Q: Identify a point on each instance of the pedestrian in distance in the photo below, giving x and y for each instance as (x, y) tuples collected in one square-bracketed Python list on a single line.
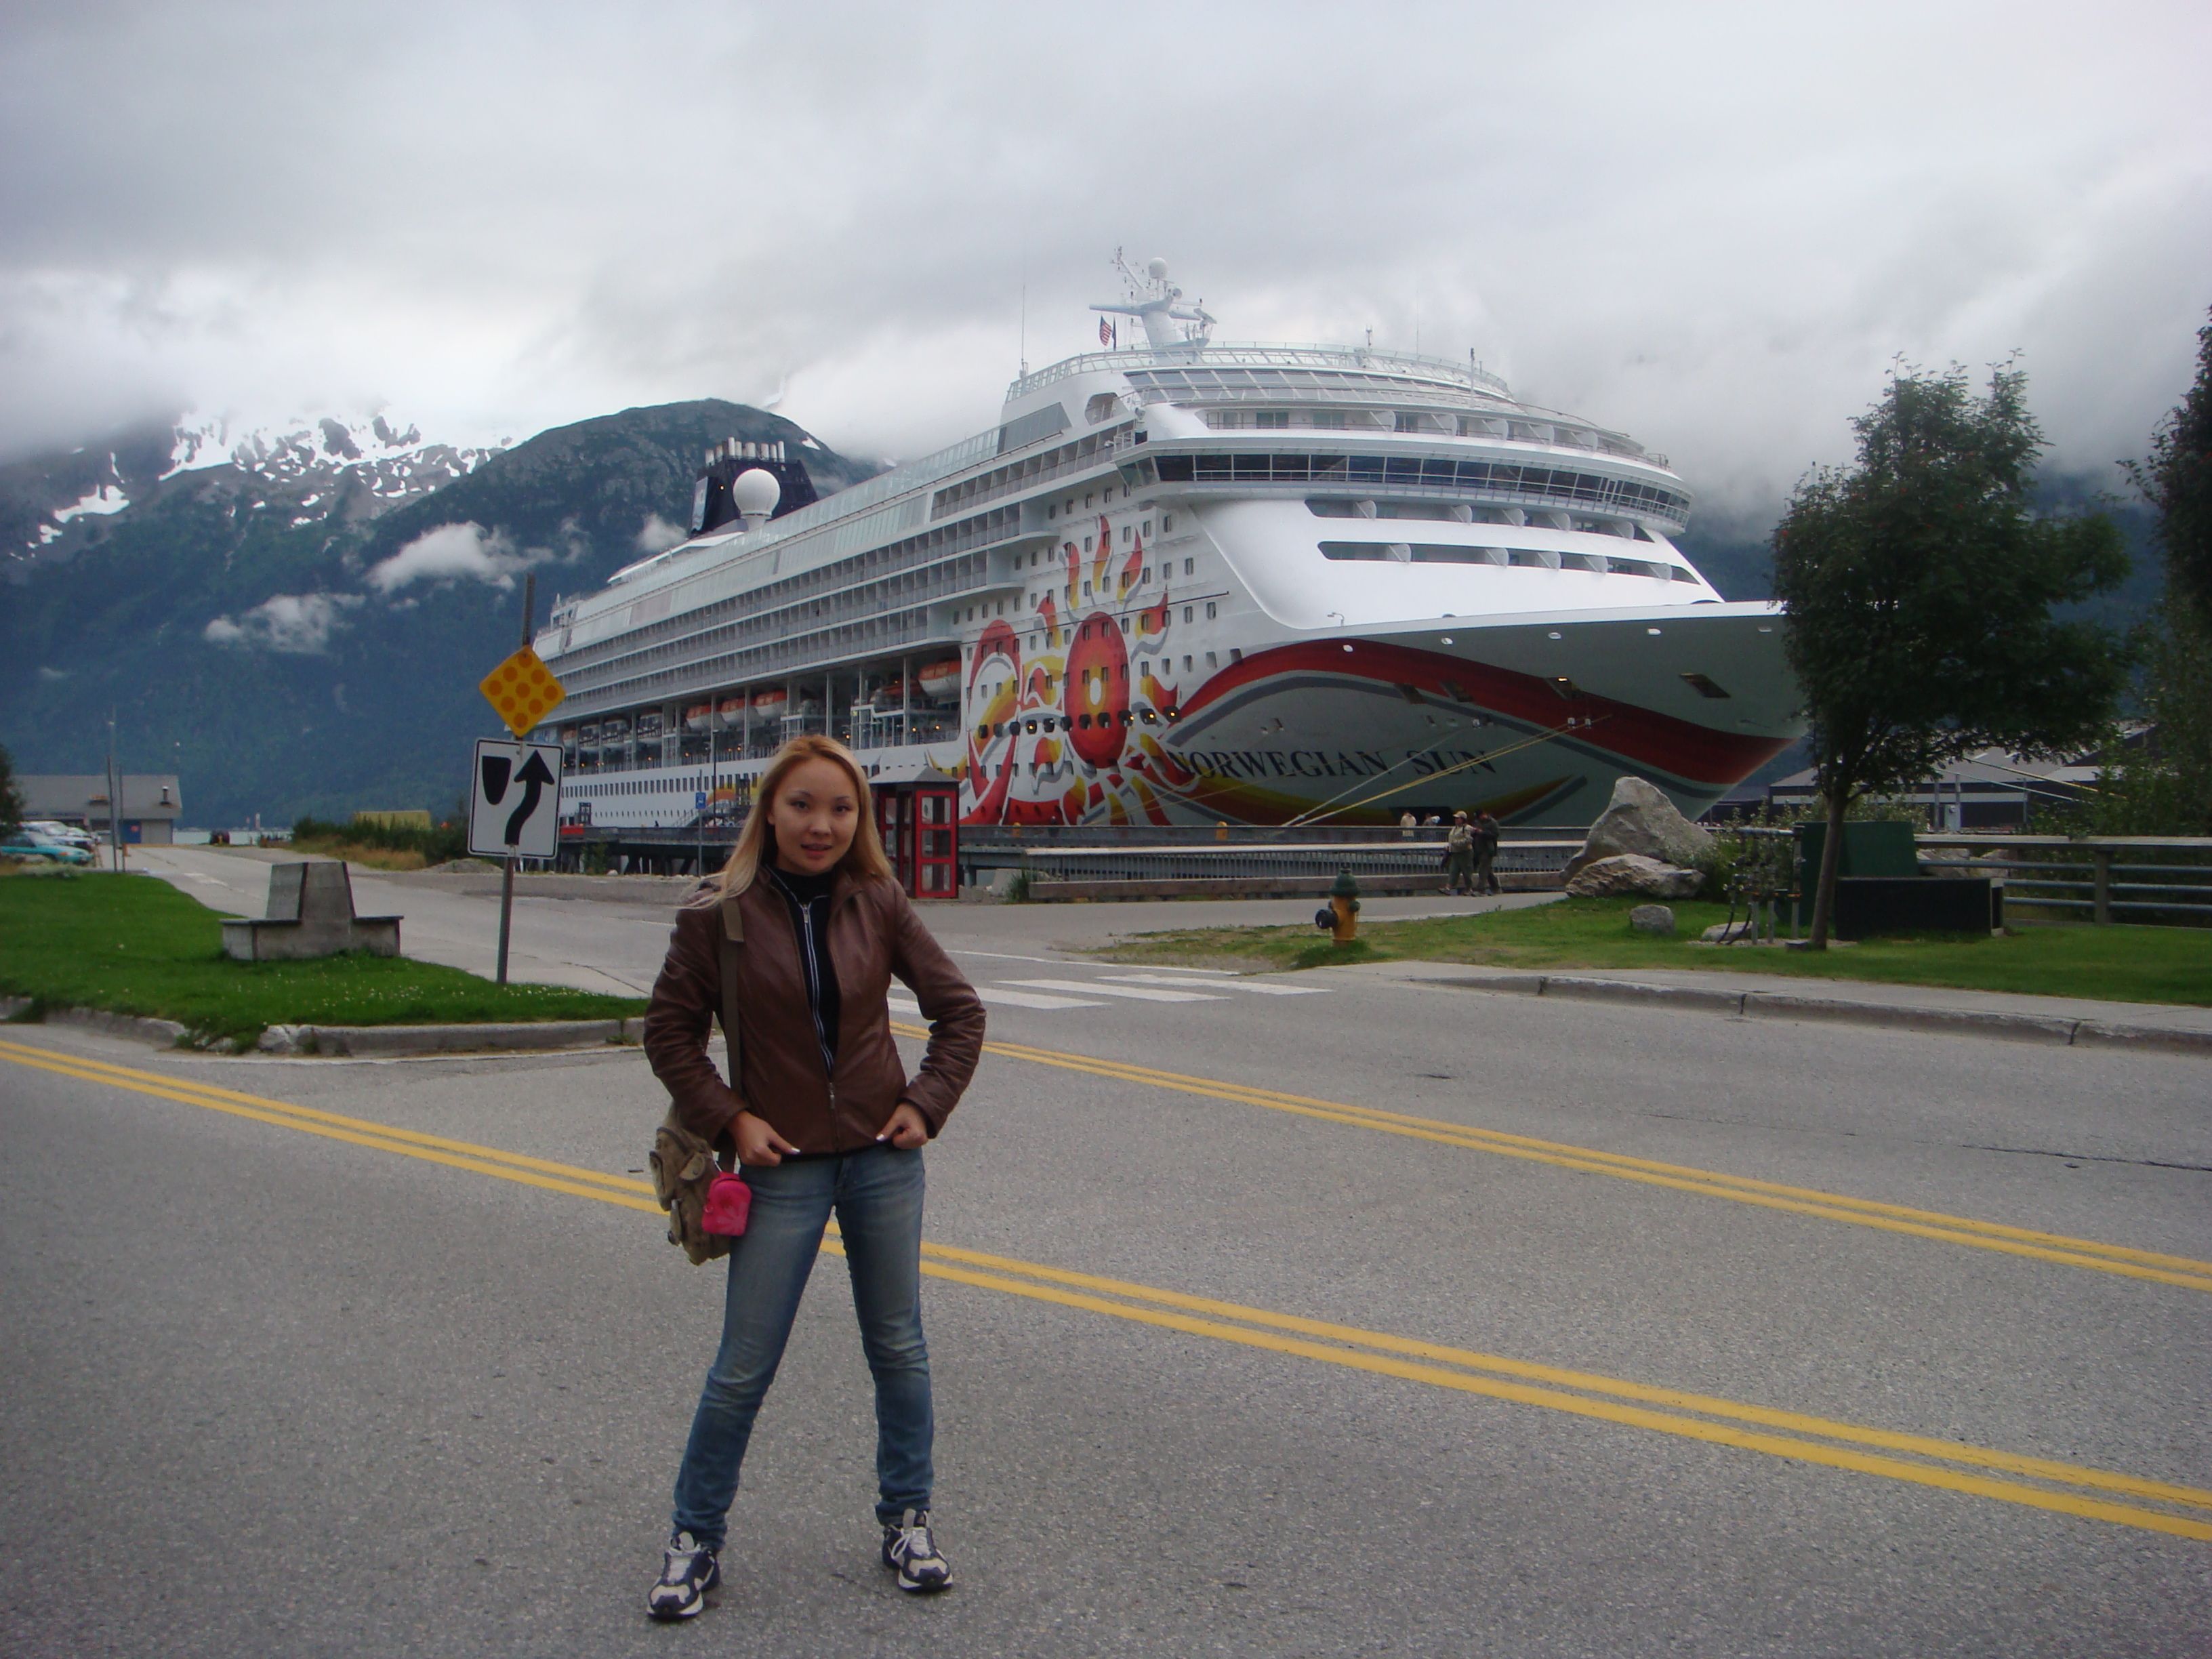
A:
[(793, 946), (1459, 856), (1407, 824), (1487, 834)]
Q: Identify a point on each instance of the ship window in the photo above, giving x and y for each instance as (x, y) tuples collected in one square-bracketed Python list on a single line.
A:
[(1272, 419), (1236, 655), (1124, 624), (1167, 523), (1211, 661), (1209, 611), (1580, 561), (1186, 665), (1127, 531), (1375, 550), (1087, 542), (1145, 577), (1146, 528), (1704, 687), (1086, 498), (1430, 553), (1328, 419), (1186, 613), (1084, 720), (1527, 556)]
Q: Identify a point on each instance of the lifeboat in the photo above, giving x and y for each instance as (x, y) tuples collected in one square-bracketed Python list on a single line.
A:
[(588, 733), (769, 702), (892, 696), (694, 717), (648, 724), (940, 680), (732, 713), (614, 730)]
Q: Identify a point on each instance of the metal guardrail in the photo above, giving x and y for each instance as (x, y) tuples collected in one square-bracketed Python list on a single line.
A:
[(1255, 861)]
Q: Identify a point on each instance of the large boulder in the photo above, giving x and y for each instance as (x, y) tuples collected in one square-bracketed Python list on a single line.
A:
[(1641, 820), (1631, 873)]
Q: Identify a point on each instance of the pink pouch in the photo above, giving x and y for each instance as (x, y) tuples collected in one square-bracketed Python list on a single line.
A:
[(729, 1201)]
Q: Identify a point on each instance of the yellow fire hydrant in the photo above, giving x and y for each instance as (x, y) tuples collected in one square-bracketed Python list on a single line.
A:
[(1341, 914)]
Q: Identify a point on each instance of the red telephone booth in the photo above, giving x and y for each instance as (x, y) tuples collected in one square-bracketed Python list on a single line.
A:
[(919, 820)]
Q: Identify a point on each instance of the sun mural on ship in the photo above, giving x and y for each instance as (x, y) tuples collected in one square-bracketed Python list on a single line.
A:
[(1069, 729)]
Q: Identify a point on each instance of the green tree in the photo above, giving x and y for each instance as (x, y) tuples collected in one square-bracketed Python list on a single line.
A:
[(2178, 479), (2164, 787), (1920, 584), (11, 798)]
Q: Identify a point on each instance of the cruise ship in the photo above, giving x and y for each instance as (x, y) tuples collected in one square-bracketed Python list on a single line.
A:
[(1183, 582)]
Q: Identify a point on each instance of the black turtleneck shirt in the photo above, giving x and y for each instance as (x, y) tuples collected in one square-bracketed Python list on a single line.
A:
[(808, 898)]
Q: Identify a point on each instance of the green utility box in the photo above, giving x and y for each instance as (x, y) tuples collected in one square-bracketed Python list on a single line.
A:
[(1877, 848), (1883, 847)]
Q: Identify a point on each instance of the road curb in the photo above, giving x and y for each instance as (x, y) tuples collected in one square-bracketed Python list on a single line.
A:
[(167, 1032), (357, 1041), (1784, 1005)]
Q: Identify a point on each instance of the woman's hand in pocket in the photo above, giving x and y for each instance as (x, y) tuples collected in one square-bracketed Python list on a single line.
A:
[(758, 1144)]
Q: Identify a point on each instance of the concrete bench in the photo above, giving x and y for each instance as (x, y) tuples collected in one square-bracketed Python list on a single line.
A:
[(310, 914)]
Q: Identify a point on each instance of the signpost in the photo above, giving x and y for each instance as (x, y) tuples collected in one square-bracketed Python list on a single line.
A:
[(514, 801)]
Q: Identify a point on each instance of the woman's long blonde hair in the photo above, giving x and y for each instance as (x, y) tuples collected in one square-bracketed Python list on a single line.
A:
[(864, 858)]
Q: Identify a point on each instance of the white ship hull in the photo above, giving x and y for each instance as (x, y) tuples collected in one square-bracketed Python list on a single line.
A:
[(1187, 584)]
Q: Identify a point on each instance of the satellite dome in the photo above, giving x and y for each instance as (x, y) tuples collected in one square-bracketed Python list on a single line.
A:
[(1157, 270), (755, 492)]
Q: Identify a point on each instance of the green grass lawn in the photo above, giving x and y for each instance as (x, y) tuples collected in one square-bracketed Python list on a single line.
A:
[(133, 945), (2118, 964)]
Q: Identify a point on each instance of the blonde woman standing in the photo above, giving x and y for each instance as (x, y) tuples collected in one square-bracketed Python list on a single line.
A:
[(798, 941)]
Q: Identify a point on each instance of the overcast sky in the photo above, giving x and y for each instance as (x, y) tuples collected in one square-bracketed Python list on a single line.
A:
[(1712, 227)]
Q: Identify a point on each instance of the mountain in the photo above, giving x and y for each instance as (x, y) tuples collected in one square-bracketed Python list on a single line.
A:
[(296, 628), (312, 469)]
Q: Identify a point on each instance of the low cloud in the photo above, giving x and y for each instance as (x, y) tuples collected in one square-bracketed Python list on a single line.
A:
[(50, 675), (455, 552), (448, 553), (658, 535), (298, 624)]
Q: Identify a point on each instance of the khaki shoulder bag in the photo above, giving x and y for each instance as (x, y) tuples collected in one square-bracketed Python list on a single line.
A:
[(683, 1164)]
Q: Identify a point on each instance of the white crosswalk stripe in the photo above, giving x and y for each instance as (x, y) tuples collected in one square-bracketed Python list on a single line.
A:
[(1257, 988), (1012, 998), (1135, 993)]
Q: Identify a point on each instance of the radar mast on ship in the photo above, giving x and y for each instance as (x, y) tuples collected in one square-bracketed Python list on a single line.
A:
[(1157, 303)]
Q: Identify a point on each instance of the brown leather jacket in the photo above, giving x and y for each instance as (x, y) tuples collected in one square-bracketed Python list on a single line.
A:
[(738, 960)]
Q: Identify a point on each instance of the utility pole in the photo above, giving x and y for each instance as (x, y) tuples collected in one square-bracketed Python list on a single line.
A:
[(114, 803), (507, 873)]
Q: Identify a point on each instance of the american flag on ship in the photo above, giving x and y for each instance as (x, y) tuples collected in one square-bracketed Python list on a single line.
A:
[(1108, 333)]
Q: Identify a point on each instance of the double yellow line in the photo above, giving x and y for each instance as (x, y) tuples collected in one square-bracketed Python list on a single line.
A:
[(2037, 1483), (2181, 1270)]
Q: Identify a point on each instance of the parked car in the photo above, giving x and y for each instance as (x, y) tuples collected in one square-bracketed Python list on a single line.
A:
[(28, 847), (68, 834)]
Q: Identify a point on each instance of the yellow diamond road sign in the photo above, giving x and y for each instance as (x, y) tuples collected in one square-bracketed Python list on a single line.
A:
[(522, 692)]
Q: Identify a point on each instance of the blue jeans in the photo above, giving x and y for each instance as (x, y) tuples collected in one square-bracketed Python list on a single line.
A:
[(877, 1195)]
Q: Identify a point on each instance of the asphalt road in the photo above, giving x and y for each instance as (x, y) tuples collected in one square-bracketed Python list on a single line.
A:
[(1384, 1318)]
